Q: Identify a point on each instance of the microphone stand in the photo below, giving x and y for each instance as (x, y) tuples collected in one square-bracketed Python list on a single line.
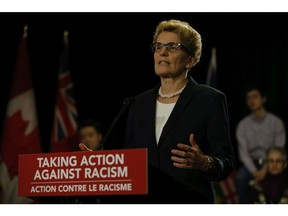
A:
[(127, 102)]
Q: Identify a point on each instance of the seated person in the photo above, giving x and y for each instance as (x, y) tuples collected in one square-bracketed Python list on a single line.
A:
[(273, 188)]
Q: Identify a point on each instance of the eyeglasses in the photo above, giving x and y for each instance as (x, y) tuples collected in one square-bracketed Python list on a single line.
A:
[(172, 46), (270, 161)]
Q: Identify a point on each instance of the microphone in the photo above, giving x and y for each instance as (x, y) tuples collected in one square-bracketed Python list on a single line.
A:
[(126, 103)]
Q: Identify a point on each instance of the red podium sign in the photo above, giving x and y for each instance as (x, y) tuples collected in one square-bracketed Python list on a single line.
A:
[(106, 172)]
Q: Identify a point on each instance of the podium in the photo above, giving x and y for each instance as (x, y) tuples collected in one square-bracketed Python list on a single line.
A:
[(99, 177), (47, 176)]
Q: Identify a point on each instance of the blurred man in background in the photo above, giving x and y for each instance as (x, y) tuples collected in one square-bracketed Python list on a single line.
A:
[(91, 134)]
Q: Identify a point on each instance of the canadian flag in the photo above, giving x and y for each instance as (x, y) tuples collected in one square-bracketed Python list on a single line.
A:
[(20, 129)]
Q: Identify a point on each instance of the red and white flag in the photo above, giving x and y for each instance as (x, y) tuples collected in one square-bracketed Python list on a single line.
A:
[(229, 189), (64, 131), (20, 129), (226, 189)]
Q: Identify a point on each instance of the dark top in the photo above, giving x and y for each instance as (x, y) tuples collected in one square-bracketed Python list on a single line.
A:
[(273, 189), (201, 110)]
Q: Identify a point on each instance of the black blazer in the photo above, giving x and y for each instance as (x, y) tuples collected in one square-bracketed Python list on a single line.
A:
[(201, 110)]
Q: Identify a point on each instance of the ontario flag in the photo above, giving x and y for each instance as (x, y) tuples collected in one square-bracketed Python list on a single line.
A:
[(64, 130), (20, 129)]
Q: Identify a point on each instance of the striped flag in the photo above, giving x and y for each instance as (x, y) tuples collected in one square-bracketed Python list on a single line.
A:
[(20, 131), (64, 130), (228, 189), (225, 190)]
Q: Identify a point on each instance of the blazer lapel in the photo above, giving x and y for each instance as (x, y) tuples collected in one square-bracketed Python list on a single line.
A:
[(180, 105), (150, 123)]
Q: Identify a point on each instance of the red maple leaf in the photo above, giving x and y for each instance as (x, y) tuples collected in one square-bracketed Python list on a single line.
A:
[(15, 142)]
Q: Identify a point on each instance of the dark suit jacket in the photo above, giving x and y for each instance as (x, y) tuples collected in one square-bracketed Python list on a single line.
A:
[(201, 110)]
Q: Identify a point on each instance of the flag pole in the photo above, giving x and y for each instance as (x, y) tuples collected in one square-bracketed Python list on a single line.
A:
[(25, 31), (213, 50), (211, 74), (65, 36)]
